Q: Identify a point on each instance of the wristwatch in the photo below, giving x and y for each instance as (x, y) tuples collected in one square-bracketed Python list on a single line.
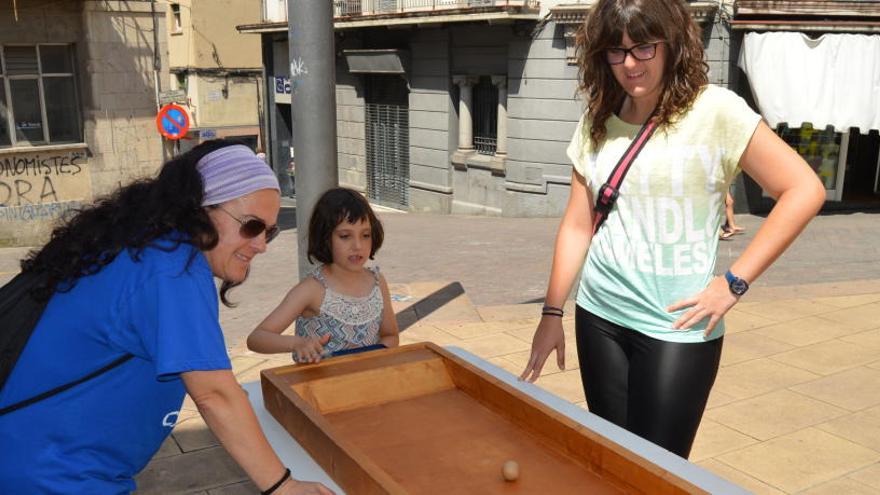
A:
[(737, 286)]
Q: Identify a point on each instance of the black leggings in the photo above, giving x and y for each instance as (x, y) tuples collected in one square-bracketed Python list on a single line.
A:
[(653, 388)]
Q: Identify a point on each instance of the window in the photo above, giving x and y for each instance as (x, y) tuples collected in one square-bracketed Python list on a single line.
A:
[(485, 116), (176, 26), (38, 97)]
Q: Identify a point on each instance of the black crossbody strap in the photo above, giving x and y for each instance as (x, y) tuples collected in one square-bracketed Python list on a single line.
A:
[(62, 388), (610, 190)]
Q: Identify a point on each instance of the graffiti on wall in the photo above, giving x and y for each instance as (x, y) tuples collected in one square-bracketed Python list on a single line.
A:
[(40, 187)]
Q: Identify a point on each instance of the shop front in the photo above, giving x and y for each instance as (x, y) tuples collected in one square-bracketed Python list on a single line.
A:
[(813, 71)]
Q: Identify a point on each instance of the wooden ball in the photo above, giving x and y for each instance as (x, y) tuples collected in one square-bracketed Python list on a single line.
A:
[(510, 470)]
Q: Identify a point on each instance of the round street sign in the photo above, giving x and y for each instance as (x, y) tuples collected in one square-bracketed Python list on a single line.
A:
[(172, 121)]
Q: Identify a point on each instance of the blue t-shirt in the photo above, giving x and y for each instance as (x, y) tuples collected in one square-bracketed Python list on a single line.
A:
[(94, 437)]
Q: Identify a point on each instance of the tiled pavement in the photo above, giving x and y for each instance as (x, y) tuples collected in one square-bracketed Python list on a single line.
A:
[(795, 408)]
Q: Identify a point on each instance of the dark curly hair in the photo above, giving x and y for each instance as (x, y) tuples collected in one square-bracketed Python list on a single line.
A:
[(332, 208), (685, 74), (133, 217)]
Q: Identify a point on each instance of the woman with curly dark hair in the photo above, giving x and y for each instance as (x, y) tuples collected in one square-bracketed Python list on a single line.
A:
[(132, 322), (648, 322)]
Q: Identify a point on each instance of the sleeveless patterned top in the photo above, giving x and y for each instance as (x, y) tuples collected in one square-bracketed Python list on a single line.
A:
[(350, 321)]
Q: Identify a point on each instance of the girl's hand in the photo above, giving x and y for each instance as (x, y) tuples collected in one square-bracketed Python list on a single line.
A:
[(548, 336), (309, 349), (713, 302), (294, 487)]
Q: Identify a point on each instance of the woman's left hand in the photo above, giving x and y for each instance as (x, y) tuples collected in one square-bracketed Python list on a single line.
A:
[(713, 302)]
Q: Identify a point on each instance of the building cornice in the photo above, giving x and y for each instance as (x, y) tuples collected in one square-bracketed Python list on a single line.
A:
[(807, 8), (576, 13)]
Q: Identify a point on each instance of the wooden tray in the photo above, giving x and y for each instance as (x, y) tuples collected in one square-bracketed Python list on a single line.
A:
[(419, 419)]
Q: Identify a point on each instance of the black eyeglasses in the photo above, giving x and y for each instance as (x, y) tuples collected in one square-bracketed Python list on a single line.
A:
[(640, 52), (252, 227)]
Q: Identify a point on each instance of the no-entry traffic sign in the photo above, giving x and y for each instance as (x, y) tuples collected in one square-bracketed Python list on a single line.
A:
[(172, 121)]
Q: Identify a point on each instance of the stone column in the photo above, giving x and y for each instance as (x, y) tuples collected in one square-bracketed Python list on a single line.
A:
[(465, 106), (501, 131)]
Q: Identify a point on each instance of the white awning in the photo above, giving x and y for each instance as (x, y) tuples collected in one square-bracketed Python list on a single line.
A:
[(831, 80)]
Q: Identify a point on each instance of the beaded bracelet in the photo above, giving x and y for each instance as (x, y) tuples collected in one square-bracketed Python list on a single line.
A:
[(277, 485)]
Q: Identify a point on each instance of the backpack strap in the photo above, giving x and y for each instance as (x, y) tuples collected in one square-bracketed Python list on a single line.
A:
[(610, 190), (61, 388)]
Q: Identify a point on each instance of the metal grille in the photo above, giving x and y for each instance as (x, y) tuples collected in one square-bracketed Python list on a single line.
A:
[(485, 117), (387, 140)]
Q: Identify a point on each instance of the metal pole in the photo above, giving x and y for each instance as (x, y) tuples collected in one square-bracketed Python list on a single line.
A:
[(313, 109)]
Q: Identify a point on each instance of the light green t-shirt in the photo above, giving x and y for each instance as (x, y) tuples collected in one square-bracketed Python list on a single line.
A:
[(658, 245)]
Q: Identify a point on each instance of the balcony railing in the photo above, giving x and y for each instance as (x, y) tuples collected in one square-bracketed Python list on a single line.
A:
[(276, 10)]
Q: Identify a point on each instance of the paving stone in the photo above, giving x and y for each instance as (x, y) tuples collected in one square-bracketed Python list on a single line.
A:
[(566, 385), (427, 333), (718, 398), (193, 434), (742, 479), (745, 346), (168, 448), (715, 439), (862, 427), (759, 376), (870, 339), (806, 331), (862, 318), (801, 459), (244, 488), (854, 389), (826, 358), (466, 331), (509, 312), (840, 486), (788, 309), (739, 320), (186, 473), (869, 476), (240, 363), (774, 414), (850, 301), (493, 345), (506, 365)]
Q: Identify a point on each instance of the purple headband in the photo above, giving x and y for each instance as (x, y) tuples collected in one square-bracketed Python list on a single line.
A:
[(232, 172)]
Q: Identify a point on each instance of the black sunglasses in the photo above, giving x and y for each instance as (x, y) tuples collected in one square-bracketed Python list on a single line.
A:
[(641, 52), (252, 227)]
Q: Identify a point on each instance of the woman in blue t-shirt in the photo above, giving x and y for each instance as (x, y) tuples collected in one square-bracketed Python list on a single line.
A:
[(130, 288), (649, 315)]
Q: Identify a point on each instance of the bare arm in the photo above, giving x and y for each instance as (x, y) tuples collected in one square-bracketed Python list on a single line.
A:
[(388, 330), (572, 244), (786, 176), (225, 408), (267, 338), (798, 192)]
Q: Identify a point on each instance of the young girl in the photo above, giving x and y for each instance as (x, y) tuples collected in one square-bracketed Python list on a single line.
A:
[(342, 304)]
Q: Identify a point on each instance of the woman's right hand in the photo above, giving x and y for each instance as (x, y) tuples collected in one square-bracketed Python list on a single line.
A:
[(309, 349), (295, 487), (548, 336)]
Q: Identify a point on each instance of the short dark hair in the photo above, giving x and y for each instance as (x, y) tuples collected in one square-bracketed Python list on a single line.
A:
[(333, 207)]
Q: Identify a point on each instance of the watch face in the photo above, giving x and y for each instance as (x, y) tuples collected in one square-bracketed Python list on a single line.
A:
[(739, 286)]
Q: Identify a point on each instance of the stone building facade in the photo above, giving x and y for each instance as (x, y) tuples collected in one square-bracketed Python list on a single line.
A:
[(78, 93)]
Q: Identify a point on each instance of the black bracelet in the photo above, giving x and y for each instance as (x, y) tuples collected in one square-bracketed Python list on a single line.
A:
[(550, 313), (284, 477), (554, 308)]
